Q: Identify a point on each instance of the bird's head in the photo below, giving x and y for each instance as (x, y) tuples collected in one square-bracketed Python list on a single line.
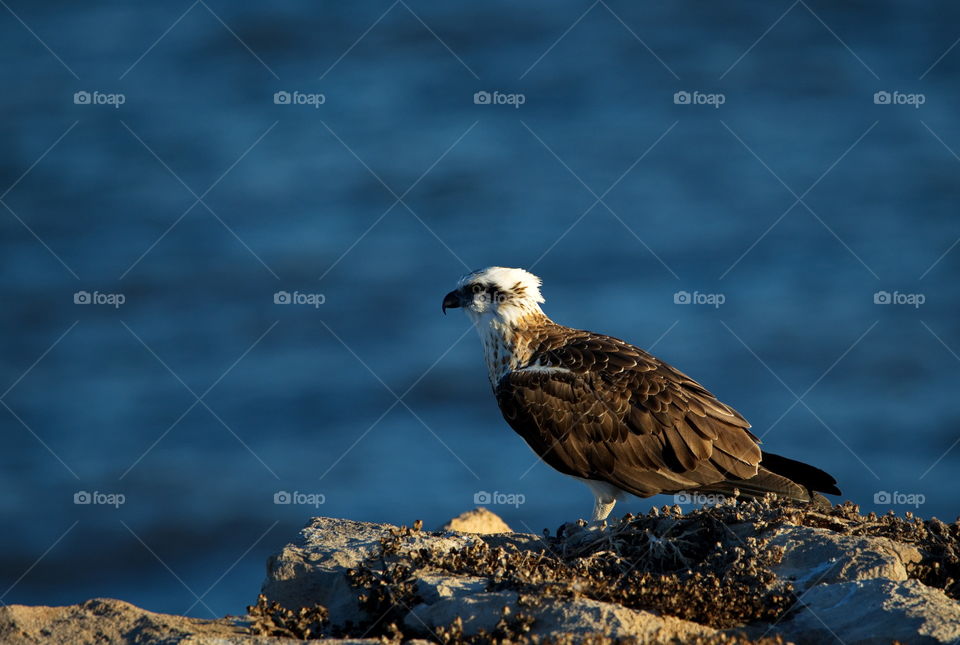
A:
[(496, 292)]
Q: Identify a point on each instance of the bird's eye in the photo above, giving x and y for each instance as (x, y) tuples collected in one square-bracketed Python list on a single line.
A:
[(477, 288)]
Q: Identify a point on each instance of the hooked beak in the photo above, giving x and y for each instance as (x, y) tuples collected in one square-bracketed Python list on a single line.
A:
[(451, 301)]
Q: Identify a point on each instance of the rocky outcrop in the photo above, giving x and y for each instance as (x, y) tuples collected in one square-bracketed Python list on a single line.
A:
[(313, 569), (753, 570), (103, 620), (763, 572)]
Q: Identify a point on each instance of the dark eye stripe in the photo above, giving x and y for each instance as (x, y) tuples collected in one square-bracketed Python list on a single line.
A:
[(492, 292)]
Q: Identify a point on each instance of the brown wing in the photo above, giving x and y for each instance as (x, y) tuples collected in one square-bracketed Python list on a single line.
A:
[(599, 408)]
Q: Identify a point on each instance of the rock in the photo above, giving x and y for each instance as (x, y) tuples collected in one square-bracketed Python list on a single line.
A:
[(829, 569), (875, 612), (578, 618), (313, 569), (439, 587), (477, 611), (584, 617), (103, 620), (818, 556), (479, 520)]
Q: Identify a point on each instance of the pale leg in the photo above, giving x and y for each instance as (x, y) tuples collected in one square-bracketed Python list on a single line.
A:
[(601, 508)]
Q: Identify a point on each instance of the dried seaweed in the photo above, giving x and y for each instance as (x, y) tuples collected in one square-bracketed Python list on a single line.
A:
[(272, 619)]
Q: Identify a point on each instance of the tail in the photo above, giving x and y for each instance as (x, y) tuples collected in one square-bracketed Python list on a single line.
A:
[(782, 476), (810, 477)]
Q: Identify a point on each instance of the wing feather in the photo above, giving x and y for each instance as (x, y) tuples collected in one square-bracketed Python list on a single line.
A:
[(617, 414)]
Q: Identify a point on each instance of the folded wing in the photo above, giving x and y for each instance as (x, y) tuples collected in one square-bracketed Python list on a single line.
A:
[(599, 408)]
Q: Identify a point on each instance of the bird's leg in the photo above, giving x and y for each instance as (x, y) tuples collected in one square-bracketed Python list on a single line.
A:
[(602, 507)]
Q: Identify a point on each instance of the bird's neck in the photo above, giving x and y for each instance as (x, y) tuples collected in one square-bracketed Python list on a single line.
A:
[(509, 342)]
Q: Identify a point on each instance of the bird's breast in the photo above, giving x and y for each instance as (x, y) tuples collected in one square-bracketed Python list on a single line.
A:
[(504, 350)]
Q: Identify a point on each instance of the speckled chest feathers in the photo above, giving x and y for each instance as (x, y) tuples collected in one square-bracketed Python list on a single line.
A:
[(509, 345)]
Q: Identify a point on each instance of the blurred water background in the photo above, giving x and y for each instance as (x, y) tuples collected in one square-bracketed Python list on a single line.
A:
[(199, 399)]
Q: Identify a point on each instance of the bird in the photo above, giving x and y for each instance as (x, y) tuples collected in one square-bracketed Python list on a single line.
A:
[(610, 414)]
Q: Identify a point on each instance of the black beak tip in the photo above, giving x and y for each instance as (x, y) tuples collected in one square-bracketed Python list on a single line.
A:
[(450, 301)]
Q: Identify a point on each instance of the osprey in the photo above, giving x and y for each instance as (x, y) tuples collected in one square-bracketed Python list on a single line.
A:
[(610, 414)]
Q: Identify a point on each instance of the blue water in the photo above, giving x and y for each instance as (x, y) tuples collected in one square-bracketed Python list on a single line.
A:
[(302, 208)]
